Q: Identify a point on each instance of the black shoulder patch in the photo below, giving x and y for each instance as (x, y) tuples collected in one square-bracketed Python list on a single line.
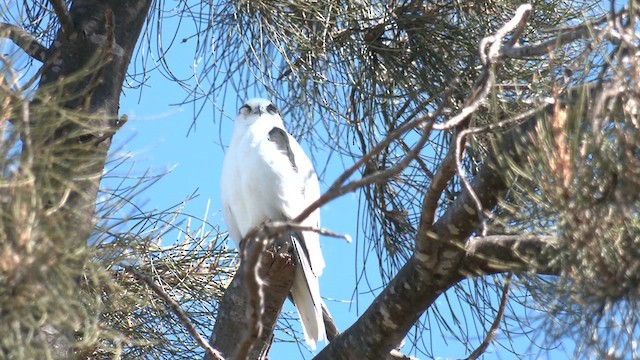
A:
[(280, 138)]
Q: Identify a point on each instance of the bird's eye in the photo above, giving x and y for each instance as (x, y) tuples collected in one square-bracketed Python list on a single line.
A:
[(271, 109), (245, 108)]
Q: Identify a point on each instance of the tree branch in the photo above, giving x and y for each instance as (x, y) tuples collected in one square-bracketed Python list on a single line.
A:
[(177, 310), (499, 253), (491, 334), (64, 17), (277, 270), (24, 40), (419, 282)]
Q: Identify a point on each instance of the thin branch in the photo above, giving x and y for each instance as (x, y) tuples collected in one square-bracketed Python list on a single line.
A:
[(541, 48), (64, 17), (490, 48), (175, 307), (459, 152), (496, 322), (24, 40), (439, 182)]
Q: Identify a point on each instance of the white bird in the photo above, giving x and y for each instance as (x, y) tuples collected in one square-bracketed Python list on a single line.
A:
[(267, 176)]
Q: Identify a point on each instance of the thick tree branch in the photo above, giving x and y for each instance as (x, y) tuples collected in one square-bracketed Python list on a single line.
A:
[(443, 262), (419, 282), (232, 322), (67, 135), (499, 253), (73, 148), (24, 40)]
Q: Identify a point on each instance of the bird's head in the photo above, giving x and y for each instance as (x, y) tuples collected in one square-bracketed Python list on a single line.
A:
[(258, 107), (255, 109)]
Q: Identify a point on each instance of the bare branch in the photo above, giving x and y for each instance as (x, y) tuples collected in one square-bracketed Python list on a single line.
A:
[(175, 307), (420, 281), (490, 54), (277, 228), (443, 175), (527, 115), (253, 248), (491, 334), (64, 17), (24, 40)]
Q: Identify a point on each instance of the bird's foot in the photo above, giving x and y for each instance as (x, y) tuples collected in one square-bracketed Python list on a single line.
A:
[(282, 245)]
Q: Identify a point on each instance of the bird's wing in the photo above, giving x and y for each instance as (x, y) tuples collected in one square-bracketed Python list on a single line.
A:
[(305, 292), (311, 193), (281, 139), (310, 188)]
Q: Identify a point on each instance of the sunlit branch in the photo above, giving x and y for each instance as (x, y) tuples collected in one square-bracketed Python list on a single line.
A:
[(499, 253), (24, 40)]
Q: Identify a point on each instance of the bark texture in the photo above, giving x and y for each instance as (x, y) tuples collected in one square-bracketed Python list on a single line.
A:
[(232, 322), (82, 77)]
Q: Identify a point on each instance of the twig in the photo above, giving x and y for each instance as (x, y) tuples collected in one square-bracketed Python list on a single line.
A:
[(63, 16), (175, 307), (459, 152), (496, 322), (277, 228), (24, 40), (490, 51)]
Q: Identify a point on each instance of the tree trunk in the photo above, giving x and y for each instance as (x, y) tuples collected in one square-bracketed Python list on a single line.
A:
[(66, 135), (82, 79)]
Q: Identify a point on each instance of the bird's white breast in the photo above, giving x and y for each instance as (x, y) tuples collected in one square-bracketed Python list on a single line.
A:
[(260, 183)]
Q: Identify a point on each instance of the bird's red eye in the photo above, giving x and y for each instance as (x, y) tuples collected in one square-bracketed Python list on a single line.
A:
[(271, 109)]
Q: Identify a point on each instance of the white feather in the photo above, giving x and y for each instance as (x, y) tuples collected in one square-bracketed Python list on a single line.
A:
[(259, 183)]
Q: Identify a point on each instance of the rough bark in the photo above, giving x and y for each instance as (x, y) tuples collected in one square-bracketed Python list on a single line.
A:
[(277, 270), (82, 80), (418, 283), (67, 133)]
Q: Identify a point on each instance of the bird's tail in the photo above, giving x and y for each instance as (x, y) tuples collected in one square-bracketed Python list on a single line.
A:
[(305, 292)]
